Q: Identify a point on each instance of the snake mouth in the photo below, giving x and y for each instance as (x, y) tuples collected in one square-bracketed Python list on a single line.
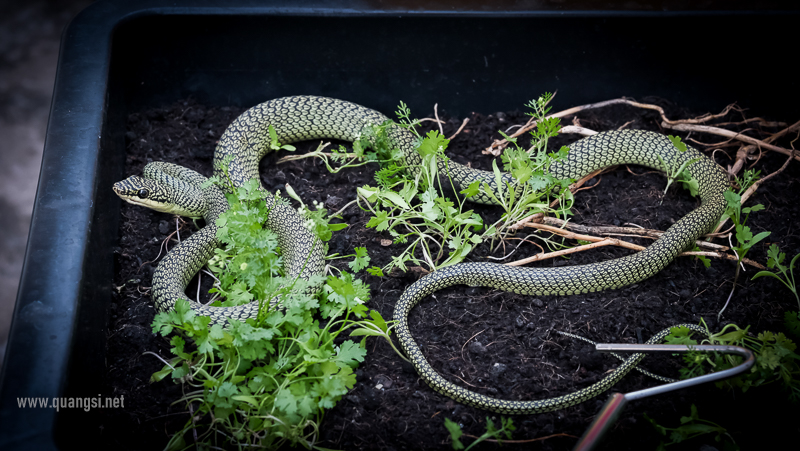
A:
[(154, 205), (132, 196), (143, 202)]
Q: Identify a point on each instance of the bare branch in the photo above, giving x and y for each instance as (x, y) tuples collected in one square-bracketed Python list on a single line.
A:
[(600, 242)]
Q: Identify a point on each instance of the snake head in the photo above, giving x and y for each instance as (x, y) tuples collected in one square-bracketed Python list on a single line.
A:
[(161, 195)]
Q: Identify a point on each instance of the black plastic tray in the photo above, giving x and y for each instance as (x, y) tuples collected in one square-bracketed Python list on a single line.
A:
[(118, 57)]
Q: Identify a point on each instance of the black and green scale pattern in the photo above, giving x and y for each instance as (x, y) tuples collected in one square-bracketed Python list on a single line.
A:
[(308, 117), (585, 156)]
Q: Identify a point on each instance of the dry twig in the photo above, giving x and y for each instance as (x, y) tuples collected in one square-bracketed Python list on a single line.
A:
[(600, 242), (729, 134), (560, 224), (436, 115), (466, 120), (681, 125), (744, 152)]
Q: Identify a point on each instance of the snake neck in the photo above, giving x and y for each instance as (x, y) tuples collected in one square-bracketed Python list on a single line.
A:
[(217, 204)]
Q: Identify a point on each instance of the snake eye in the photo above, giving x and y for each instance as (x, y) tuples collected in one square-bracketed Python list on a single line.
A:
[(143, 193)]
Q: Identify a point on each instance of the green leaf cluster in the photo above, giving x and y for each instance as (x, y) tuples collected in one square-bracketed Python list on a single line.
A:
[(776, 359), (403, 114), (546, 127), (317, 220), (267, 381), (748, 178), (361, 261), (530, 189), (339, 158), (273, 141), (492, 432), (437, 231), (681, 174), (745, 239), (784, 274), (691, 427), (259, 385), (413, 213), (703, 259), (248, 266)]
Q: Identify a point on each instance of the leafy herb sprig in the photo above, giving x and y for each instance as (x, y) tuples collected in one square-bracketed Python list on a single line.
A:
[(784, 274), (492, 432), (267, 381), (745, 239), (691, 427), (438, 231), (776, 359), (681, 174)]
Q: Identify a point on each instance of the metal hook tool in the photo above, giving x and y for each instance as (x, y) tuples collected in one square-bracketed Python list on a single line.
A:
[(616, 403)]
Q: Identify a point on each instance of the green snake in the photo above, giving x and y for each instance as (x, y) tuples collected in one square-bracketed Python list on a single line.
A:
[(170, 188)]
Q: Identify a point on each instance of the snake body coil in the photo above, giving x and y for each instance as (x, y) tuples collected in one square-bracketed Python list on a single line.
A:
[(306, 117)]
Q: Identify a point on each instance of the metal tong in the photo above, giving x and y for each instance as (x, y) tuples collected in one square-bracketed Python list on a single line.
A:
[(616, 403)]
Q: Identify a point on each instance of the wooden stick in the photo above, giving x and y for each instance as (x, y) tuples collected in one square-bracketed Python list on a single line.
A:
[(600, 242), (729, 134), (436, 114), (459, 129), (681, 125), (578, 130), (743, 152), (498, 145), (559, 224)]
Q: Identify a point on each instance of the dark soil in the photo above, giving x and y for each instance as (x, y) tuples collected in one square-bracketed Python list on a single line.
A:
[(497, 343)]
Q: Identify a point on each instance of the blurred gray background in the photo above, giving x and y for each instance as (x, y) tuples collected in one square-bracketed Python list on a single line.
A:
[(30, 35)]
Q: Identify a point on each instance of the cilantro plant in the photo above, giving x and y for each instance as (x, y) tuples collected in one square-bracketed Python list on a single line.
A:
[(248, 266), (248, 385), (691, 427), (532, 188), (748, 178), (267, 381), (745, 239), (784, 274), (776, 359), (743, 183), (438, 231), (546, 127), (340, 158), (744, 236), (273, 141), (681, 174), (317, 220), (506, 428), (413, 212), (403, 114)]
